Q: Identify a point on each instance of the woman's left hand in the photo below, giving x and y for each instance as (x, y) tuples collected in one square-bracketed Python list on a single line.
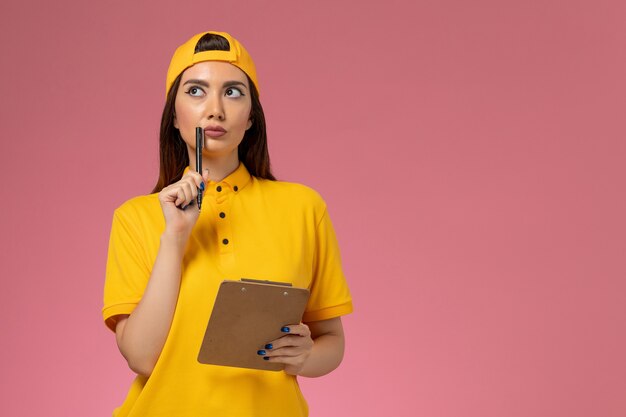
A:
[(293, 349)]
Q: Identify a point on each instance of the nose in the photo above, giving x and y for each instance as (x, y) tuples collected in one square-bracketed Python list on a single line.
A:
[(215, 108)]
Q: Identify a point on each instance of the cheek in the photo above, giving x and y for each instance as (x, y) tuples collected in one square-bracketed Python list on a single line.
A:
[(185, 117), (243, 118)]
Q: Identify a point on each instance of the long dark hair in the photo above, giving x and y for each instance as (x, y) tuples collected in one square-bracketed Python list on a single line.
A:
[(173, 156)]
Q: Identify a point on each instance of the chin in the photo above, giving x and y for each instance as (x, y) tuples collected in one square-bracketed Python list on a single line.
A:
[(216, 150)]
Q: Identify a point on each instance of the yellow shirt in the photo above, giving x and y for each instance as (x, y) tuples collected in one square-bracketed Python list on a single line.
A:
[(248, 228)]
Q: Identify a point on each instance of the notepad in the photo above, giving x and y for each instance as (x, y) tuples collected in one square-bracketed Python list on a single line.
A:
[(247, 315)]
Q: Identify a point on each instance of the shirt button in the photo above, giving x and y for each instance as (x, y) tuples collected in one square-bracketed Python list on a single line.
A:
[(235, 188), (222, 214), (219, 188), (225, 241)]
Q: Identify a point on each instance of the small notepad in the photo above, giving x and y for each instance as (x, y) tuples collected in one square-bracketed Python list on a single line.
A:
[(246, 316)]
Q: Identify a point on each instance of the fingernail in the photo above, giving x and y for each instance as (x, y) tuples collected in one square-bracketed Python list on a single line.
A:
[(285, 329), (269, 346), (260, 352), (266, 358), (201, 186)]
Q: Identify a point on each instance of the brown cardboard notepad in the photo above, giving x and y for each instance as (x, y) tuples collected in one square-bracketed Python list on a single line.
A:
[(246, 316)]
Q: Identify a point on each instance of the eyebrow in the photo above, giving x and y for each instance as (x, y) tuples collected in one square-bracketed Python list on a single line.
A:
[(205, 84)]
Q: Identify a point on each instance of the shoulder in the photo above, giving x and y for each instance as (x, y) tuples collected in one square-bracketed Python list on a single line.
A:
[(140, 211), (143, 204), (292, 194)]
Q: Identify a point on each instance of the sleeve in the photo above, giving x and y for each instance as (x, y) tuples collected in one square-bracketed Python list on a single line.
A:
[(330, 296), (127, 271)]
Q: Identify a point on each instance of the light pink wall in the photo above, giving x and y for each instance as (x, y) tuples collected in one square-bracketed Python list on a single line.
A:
[(472, 154)]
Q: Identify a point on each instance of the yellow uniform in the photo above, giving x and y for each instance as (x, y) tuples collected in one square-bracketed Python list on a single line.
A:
[(248, 228)]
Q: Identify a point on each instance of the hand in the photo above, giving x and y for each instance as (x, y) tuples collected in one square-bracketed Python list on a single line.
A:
[(292, 349), (178, 202)]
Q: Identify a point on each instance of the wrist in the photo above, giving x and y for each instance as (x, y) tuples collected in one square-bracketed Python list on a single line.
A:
[(174, 240)]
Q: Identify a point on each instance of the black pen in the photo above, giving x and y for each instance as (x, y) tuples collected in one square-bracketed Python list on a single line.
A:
[(199, 144)]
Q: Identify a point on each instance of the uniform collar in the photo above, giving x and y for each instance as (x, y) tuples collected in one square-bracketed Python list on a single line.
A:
[(235, 181)]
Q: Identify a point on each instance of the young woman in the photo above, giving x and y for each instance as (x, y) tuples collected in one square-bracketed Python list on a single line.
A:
[(167, 258)]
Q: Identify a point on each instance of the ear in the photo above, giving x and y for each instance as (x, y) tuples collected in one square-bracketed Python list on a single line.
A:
[(249, 124), (175, 121)]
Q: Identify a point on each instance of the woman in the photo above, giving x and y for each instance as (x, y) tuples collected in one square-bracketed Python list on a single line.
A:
[(167, 258)]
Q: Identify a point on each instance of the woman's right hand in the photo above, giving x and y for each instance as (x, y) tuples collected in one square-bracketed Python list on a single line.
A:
[(179, 204), (142, 335)]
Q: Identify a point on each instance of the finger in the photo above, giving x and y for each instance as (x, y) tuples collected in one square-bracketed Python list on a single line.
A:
[(298, 329), (190, 190), (184, 194), (289, 351), (289, 360), (289, 341), (286, 330), (172, 194), (197, 180), (285, 360), (181, 193), (180, 197), (281, 342)]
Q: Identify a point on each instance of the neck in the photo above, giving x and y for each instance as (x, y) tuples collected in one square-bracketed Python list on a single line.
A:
[(219, 166)]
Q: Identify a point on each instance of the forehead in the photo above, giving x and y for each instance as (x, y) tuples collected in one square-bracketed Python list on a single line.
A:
[(214, 72)]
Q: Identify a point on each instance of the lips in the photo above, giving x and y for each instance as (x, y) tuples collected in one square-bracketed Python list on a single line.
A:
[(214, 131)]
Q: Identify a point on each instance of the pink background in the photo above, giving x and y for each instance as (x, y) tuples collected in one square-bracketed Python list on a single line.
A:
[(472, 155)]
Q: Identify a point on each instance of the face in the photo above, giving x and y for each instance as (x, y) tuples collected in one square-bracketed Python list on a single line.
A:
[(215, 96)]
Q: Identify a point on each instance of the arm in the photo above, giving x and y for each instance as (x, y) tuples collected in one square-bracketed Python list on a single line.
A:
[(142, 335), (313, 349)]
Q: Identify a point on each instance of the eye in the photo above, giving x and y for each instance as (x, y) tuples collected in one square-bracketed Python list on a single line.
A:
[(233, 92), (195, 92)]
